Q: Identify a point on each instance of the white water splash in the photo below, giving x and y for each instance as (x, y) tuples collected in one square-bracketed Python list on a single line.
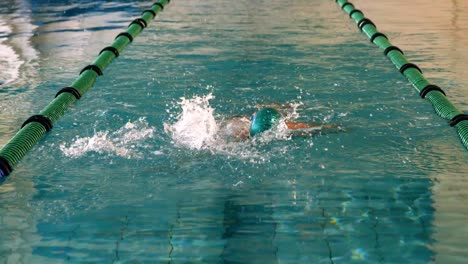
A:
[(196, 127), (125, 142)]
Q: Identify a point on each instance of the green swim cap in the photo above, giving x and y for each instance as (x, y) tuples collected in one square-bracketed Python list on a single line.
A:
[(263, 120)]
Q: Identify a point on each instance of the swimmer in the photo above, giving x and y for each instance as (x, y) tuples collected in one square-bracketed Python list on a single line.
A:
[(242, 128)]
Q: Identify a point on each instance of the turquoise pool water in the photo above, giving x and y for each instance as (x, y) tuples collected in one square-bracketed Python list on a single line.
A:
[(135, 172)]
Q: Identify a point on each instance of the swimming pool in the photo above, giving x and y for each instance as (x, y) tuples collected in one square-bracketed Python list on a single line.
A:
[(112, 183)]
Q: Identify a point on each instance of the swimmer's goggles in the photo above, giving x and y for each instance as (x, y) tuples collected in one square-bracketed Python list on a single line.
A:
[(263, 120)]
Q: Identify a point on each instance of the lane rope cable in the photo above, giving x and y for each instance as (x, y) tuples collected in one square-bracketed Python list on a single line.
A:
[(35, 127), (433, 93)]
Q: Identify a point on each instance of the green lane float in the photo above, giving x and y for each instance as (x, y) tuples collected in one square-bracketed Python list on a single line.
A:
[(35, 127), (431, 92)]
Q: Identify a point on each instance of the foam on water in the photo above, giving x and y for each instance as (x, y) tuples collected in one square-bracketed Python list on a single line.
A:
[(128, 141)]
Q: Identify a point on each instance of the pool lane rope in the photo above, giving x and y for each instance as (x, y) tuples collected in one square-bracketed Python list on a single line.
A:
[(35, 127), (431, 92)]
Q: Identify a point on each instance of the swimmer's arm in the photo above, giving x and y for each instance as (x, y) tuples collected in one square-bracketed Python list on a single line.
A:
[(297, 125)]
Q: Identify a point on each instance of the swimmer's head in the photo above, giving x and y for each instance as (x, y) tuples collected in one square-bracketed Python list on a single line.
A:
[(263, 120)]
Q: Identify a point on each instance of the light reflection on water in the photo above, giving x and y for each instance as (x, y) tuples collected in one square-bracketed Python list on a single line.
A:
[(434, 34), (389, 189)]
